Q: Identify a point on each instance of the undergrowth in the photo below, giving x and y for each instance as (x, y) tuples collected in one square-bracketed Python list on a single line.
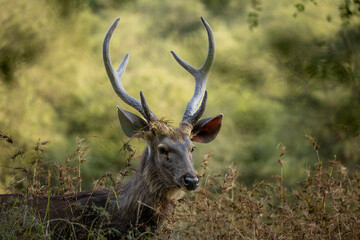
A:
[(325, 205)]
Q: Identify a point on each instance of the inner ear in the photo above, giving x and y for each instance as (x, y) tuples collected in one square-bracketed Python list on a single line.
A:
[(206, 130)]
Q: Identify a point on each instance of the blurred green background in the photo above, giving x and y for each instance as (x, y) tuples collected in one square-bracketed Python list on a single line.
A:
[(283, 69)]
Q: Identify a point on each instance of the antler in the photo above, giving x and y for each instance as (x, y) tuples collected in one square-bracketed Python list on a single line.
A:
[(115, 78), (200, 76)]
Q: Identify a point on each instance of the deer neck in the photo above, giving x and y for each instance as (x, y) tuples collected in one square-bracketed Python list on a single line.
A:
[(149, 185), (147, 195)]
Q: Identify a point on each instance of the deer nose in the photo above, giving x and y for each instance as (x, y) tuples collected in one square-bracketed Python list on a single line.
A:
[(191, 182)]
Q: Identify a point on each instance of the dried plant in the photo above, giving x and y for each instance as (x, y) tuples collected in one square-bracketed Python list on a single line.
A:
[(325, 205)]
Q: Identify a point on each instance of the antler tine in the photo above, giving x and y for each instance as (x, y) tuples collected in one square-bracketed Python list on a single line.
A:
[(146, 108), (115, 77), (200, 74), (197, 115)]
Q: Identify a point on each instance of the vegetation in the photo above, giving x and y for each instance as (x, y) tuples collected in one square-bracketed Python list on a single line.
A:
[(324, 205), (284, 71), (276, 78)]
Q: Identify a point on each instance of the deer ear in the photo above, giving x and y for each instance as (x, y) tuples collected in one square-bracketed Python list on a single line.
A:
[(206, 130), (131, 123)]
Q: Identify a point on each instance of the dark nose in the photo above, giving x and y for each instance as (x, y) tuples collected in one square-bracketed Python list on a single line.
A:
[(191, 182)]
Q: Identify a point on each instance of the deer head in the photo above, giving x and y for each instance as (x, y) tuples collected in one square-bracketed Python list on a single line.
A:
[(170, 148)]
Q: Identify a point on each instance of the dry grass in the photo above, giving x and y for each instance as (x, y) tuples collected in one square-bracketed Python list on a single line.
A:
[(325, 205)]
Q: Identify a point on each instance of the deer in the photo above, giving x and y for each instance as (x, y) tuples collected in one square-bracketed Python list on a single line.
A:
[(165, 171)]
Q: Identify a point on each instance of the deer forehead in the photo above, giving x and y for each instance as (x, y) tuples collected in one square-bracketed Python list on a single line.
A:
[(161, 132), (176, 143), (164, 132)]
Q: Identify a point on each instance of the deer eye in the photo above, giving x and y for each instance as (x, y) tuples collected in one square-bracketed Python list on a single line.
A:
[(192, 149), (162, 150)]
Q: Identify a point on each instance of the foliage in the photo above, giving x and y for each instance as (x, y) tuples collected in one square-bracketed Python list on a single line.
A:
[(325, 203), (283, 69)]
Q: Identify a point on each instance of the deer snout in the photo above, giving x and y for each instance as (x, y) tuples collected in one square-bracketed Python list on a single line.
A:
[(190, 182)]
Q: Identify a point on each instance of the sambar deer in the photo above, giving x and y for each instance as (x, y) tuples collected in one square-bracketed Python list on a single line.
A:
[(166, 167)]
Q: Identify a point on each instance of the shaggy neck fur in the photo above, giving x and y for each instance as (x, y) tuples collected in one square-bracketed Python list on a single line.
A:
[(146, 198)]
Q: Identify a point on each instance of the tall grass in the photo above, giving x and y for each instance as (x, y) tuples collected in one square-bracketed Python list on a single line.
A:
[(324, 205)]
